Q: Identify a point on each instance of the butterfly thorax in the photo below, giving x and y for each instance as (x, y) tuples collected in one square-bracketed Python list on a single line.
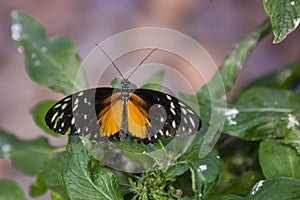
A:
[(125, 91)]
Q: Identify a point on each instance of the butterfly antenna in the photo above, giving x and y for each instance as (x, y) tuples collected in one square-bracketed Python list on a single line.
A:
[(149, 54), (112, 62)]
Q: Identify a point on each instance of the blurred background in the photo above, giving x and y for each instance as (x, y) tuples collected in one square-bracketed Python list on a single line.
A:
[(215, 24)]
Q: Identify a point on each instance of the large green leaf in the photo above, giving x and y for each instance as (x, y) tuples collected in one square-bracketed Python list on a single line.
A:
[(275, 189), (284, 16), (262, 113), (85, 179), (27, 156), (53, 62), (278, 160), (10, 191)]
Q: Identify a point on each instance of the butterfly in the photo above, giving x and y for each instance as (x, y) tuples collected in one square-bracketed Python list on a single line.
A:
[(116, 113)]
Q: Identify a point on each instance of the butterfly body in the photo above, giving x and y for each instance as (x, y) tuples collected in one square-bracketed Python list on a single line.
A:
[(142, 114)]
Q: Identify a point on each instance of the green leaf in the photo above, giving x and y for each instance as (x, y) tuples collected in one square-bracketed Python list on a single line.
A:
[(27, 156), (284, 16), (50, 177), (155, 81), (176, 170), (38, 113), (278, 160), (262, 113), (283, 78), (204, 171), (54, 62), (53, 169), (85, 181), (38, 188), (282, 188), (10, 190)]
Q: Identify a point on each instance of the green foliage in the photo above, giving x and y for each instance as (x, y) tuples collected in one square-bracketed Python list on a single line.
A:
[(257, 159), (10, 191), (278, 160), (21, 152), (284, 16), (53, 62), (80, 175)]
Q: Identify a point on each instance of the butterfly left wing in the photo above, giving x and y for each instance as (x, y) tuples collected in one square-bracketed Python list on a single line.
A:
[(78, 113)]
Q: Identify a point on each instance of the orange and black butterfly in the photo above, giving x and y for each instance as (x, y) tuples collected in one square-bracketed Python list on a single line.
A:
[(104, 112)]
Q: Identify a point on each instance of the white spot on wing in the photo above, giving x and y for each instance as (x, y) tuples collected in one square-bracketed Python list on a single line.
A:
[(67, 99), (182, 104), (167, 133), (73, 121), (54, 116), (172, 105), (192, 122), (80, 94), (184, 111), (75, 107), (57, 105), (168, 97), (76, 101), (161, 132), (173, 124), (161, 119), (64, 106), (185, 120), (173, 111)]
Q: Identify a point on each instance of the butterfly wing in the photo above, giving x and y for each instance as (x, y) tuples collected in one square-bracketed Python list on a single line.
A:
[(78, 113), (164, 115), (98, 112)]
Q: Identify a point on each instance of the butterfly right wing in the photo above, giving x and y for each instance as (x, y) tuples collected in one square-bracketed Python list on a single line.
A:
[(78, 113)]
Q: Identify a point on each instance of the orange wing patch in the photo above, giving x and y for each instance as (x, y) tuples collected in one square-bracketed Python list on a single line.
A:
[(110, 116), (138, 117)]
